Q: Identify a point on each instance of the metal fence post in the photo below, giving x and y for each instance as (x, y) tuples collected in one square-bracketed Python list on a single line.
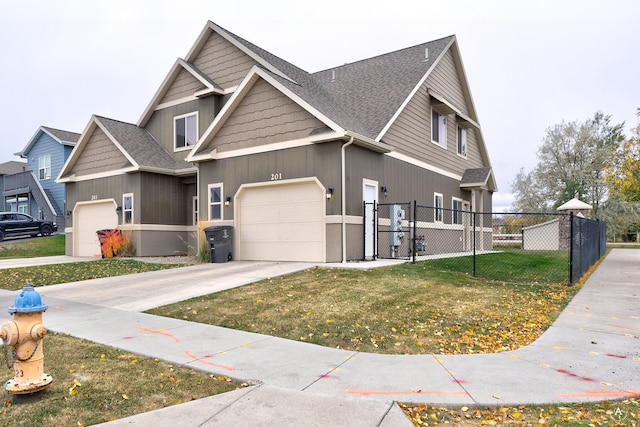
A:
[(571, 229), (414, 249), (474, 243)]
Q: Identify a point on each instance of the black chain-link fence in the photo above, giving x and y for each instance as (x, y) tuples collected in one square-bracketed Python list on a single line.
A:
[(560, 248)]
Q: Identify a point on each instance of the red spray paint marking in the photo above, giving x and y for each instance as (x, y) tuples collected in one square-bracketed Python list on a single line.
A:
[(198, 359), (572, 375), (459, 381), (151, 331), (617, 356)]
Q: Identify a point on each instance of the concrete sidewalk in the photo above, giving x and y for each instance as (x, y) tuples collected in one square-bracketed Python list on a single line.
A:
[(591, 353)]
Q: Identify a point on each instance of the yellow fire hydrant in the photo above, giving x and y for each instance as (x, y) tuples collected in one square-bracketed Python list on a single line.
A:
[(24, 334)]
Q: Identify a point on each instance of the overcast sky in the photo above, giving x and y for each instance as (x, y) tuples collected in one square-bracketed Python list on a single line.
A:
[(530, 64)]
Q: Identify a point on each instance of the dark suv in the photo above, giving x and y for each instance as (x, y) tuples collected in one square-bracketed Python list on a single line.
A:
[(18, 224)]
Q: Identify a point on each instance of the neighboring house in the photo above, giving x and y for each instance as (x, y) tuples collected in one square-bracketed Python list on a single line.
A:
[(237, 136), (35, 191), (9, 168)]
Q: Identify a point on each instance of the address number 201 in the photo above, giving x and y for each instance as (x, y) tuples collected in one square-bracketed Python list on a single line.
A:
[(276, 176)]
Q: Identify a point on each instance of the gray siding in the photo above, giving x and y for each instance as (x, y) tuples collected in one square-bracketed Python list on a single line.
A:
[(411, 132), (183, 85), (223, 62), (99, 155), (160, 125), (164, 200), (321, 161), (158, 199), (264, 116), (99, 189), (404, 182)]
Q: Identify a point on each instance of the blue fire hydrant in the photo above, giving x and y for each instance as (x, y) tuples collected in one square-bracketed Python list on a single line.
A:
[(25, 334)]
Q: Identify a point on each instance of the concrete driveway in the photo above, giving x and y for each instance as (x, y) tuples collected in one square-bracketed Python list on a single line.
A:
[(144, 291)]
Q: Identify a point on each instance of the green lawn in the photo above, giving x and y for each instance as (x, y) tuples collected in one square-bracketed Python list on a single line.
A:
[(30, 248), (45, 275), (427, 307)]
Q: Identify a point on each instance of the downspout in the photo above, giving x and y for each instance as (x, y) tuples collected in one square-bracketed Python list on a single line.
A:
[(343, 192)]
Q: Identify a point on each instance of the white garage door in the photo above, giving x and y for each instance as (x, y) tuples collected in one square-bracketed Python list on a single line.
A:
[(282, 222), (89, 218)]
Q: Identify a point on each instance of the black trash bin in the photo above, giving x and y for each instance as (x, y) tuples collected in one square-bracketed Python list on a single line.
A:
[(220, 238)]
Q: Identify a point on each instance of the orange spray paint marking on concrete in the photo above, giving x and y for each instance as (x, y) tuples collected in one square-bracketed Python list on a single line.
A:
[(412, 392), (151, 331), (199, 359), (601, 394), (625, 327)]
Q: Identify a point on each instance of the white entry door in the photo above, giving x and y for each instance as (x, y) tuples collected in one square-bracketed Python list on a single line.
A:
[(370, 196)]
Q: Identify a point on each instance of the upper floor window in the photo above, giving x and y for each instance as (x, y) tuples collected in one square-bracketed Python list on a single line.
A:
[(438, 202), (438, 128), (44, 167), (215, 201), (185, 131), (462, 141), (127, 208)]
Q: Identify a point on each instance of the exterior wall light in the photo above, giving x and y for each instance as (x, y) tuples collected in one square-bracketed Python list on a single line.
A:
[(227, 201), (383, 190), (329, 193)]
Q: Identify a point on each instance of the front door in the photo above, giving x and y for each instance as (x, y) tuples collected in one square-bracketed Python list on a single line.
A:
[(370, 196)]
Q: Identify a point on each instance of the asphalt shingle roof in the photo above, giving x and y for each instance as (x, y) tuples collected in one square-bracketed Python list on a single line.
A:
[(63, 135), (141, 145), (365, 94), (475, 176)]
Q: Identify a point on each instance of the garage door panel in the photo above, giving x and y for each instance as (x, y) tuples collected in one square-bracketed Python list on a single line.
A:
[(281, 232), (282, 222), (89, 218), (269, 251)]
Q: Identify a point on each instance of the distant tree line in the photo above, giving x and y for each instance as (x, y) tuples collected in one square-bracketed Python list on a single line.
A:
[(593, 161)]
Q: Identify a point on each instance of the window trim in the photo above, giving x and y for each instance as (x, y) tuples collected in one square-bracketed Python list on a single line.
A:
[(462, 132), (438, 208), (175, 131), (211, 203), (456, 213), (125, 196), (194, 206), (46, 168), (441, 128)]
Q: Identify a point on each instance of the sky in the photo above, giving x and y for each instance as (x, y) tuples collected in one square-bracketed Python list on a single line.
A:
[(530, 64)]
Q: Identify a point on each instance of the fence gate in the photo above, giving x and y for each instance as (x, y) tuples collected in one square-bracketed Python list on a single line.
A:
[(370, 227)]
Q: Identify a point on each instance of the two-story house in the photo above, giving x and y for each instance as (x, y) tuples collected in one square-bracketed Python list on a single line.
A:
[(34, 190), (237, 136)]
